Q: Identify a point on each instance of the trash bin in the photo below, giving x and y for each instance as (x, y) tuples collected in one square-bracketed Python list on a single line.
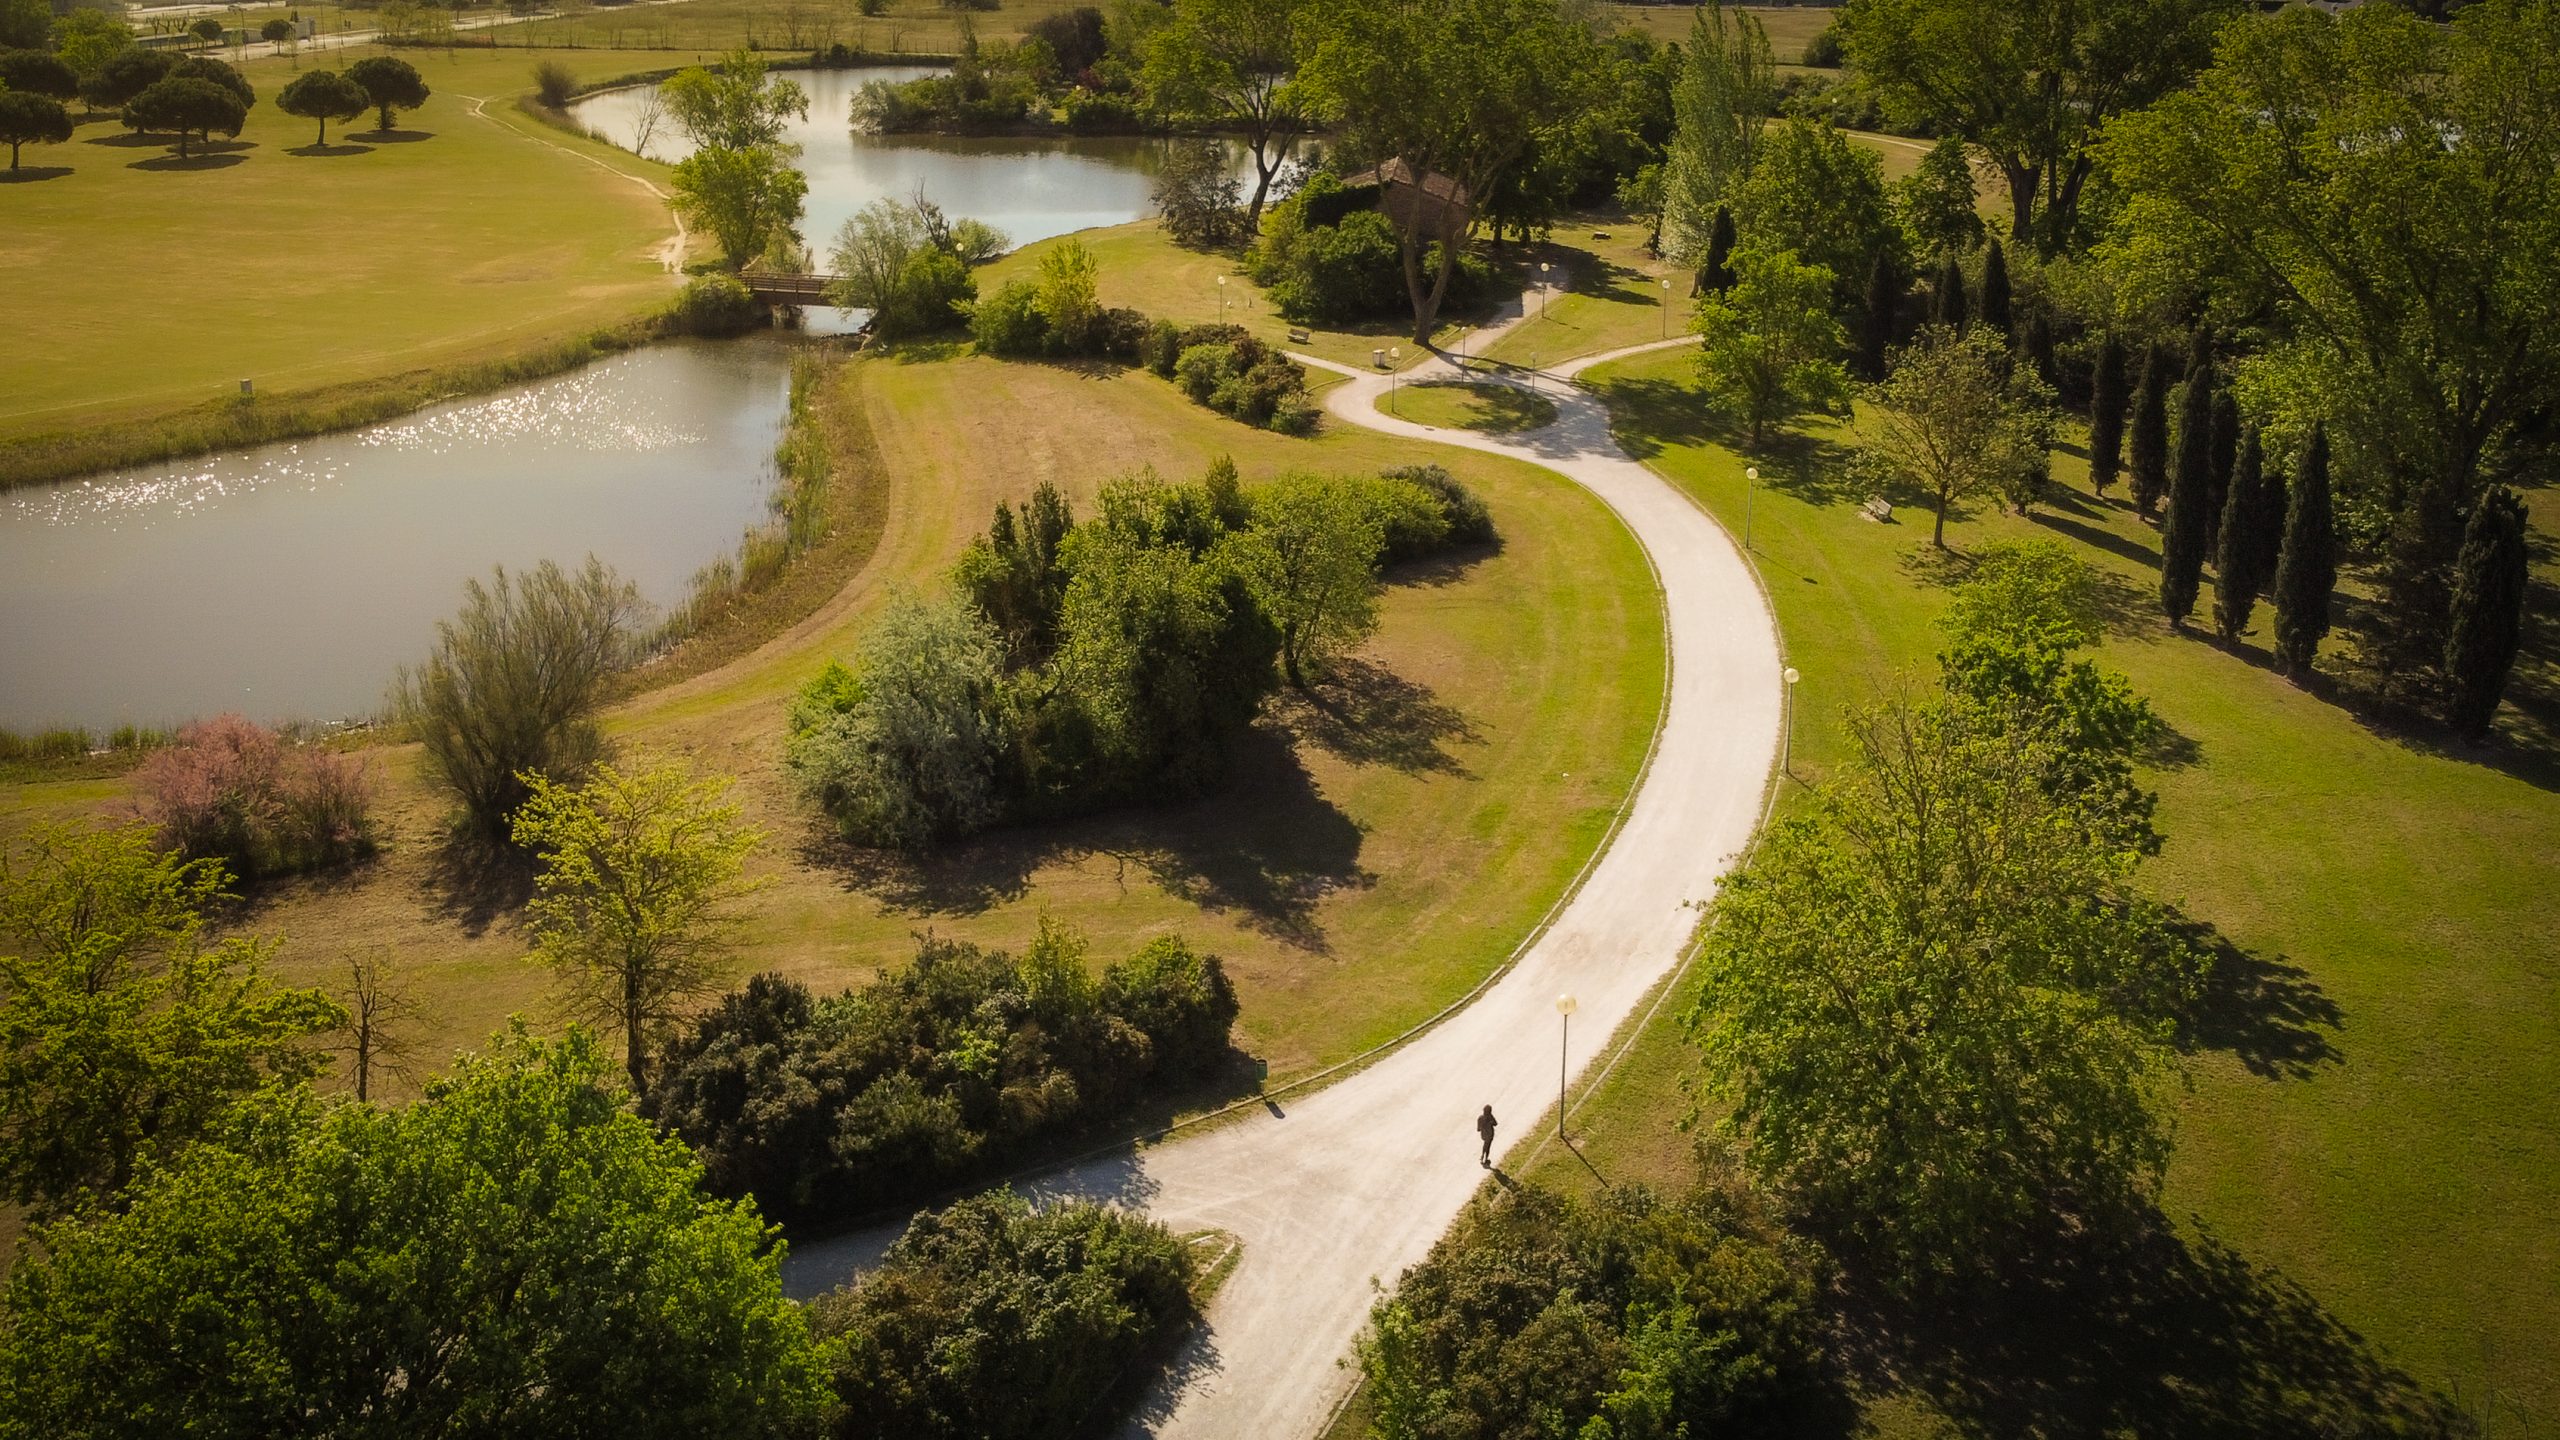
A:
[(1378, 357)]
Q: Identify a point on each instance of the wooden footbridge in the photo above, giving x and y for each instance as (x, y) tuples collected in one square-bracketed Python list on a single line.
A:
[(801, 290)]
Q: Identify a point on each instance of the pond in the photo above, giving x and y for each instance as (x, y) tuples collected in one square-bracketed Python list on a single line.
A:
[(291, 581), (1029, 187)]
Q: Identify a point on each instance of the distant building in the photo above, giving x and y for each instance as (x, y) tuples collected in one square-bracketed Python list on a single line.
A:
[(1440, 205)]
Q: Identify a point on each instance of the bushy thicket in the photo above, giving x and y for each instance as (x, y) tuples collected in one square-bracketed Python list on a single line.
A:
[(942, 1072), (717, 306), (992, 1321), (1627, 1315), (1225, 368), (231, 790), (1075, 666), (1322, 260)]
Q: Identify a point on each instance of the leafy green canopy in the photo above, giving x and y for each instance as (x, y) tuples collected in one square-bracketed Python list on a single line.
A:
[(1770, 347), (513, 1255), (990, 1321)]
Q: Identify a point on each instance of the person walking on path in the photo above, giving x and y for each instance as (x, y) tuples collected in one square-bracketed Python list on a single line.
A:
[(1484, 1130)]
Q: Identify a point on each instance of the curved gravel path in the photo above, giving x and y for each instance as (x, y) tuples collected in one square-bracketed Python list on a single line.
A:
[(1355, 1181)]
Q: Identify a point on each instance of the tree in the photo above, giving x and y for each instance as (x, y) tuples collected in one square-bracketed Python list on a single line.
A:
[(1947, 305), (1459, 88), (901, 747), (513, 685), (2106, 414), (1995, 291), (1315, 543), (2029, 84), (391, 83), (2188, 530), (733, 106), (1069, 299), (276, 32), (1716, 274), (379, 1011), (2150, 437), (124, 1032), (218, 72), (2226, 452), (31, 120), (515, 1254), (1878, 316), (871, 255), (745, 198), (33, 72), (1235, 62), (87, 39), (1814, 193), (2487, 626), (1768, 343), (1195, 194), (2384, 194), (1953, 421), (2237, 549), (635, 899), (1936, 202), (208, 30), (1720, 104), (2308, 568), (122, 76), (1971, 1039), (184, 107), (25, 24), (323, 95)]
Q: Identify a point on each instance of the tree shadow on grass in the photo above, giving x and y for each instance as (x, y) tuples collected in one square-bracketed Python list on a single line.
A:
[(130, 140), (1265, 844), (2153, 1334), (329, 151), (1368, 715), (393, 137), (2266, 1012), (2120, 606), (30, 174), (1649, 416), (188, 162), (474, 885), (2097, 537)]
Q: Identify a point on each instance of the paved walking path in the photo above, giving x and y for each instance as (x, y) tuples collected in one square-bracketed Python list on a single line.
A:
[(1354, 1182)]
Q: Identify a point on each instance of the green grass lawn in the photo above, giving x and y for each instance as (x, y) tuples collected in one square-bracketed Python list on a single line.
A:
[(141, 284), (1790, 27), (1494, 409), (2392, 1147), (1615, 296)]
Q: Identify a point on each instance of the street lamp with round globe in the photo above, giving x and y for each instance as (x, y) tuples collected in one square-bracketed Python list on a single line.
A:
[(1565, 1006)]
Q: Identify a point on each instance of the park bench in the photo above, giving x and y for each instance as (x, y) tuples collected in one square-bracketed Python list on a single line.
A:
[(1877, 509), (1298, 334)]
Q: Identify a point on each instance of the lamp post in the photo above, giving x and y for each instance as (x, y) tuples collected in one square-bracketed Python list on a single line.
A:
[(1565, 1006), (1222, 299), (1542, 289), (1750, 485), (1787, 736), (1666, 309), (1395, 358)]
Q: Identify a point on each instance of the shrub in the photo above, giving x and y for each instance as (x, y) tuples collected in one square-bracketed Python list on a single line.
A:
[(514, 682), (1465, 519), (716, 306), (1196, 195), (934, 293), (1632, 1314), (1296, 414), (1090, 112), (946, 1070), (900, 748), (554, 83), (1068, 299), (1202, 368), (230, 790), (1008, 322), (992, 1321), (1120, 334), (1161, 347), (1244, 378)]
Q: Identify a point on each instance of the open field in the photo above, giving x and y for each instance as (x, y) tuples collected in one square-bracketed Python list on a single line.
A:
[(2378, 1134), (1369, 863), (140, 283), (1789, 26)]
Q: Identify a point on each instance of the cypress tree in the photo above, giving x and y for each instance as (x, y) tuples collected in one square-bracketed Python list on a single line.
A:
[(2235, 576), (2308, 568), (2150, 441), (2106, 415), (2189, 526), (1718, 276), (1995, 290), (2266, 533), (2039, 343), (2488, 612), (1946, 304), (1884, 305), (2226, 450)]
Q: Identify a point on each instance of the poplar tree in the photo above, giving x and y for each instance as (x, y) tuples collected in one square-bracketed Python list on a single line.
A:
[(2308, 567), (2189, 527), (2106, 415), (2150, 441), (1947, 303), (1884, 304), (1716, 276), (1995, 290), (2236, 549), (2488, 612)]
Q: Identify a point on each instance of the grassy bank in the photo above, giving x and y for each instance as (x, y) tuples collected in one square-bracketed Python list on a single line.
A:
[(2375, 1128), (471, 246)]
